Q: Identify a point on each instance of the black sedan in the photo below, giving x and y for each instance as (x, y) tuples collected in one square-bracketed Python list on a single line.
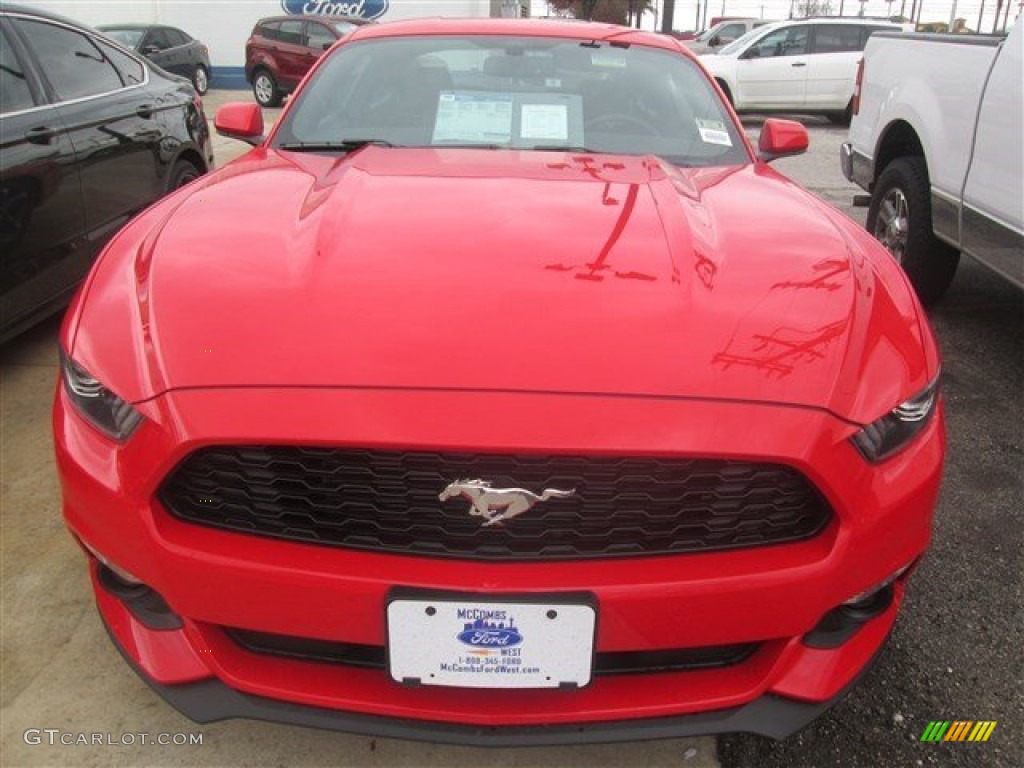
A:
[(168, 48), (90, 134)]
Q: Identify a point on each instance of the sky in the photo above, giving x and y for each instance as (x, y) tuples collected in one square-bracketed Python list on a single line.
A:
[(933, 10)]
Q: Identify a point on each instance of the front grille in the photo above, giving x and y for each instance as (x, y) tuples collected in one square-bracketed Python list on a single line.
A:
[(387, 501), (609, 663)]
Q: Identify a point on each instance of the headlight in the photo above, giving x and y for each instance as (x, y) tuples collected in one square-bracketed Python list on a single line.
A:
[(100, 407), (884, 437)]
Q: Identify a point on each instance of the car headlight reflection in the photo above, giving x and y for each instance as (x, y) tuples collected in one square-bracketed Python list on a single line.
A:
[(97, 404), (889, 434)]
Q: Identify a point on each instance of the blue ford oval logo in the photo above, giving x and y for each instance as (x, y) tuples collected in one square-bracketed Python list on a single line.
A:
[(490, 634), (361, 9)]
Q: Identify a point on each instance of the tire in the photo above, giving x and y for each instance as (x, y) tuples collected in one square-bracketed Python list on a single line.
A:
[(182, 172), (201, 80), (265, 89), (900, 218)]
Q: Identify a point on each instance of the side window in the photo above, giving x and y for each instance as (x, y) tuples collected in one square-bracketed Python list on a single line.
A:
[(788, 41), (271, 30), (291, 32), (74, 66), (837, 38), (177, 37), (132, 72), (14, 91), (730, 32), (157, 38), (318, 36)]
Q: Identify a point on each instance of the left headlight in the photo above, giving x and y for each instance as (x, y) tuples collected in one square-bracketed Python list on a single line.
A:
[(882, 438), (97, 404)]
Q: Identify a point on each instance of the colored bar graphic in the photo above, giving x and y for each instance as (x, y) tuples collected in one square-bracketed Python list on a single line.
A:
[(958, 730)]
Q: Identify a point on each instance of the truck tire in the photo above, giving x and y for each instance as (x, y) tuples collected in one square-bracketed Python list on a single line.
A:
[(900, 218)]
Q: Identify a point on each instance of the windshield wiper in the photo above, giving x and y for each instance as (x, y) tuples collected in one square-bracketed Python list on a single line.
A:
[(561, 148), (345, 145)]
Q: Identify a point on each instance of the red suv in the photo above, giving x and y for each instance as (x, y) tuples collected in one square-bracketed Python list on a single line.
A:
[(281, 50)]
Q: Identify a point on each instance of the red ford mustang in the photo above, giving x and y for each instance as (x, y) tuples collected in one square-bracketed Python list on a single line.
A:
[(503, 394)]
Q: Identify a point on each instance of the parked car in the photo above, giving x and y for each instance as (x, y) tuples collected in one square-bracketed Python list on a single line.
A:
[(723, 33), (942, 156), (282, 49), (167, 47), (421, 419), (805, 66), (90, 135)]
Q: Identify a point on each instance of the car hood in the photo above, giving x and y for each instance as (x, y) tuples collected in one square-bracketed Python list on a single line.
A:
[(512, 271)]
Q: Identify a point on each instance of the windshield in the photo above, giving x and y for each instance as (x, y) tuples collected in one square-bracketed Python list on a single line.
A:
[(741, 42), (126, 37), (516, 93)]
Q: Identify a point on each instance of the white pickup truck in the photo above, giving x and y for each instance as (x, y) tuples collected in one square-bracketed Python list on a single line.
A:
[(937, 139)]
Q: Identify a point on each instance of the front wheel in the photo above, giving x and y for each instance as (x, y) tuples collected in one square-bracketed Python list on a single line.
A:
[(900, 218), (201, 80), (182, 172), (264, 88)]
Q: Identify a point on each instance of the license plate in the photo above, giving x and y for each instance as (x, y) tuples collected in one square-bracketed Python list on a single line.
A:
[(484, 644)]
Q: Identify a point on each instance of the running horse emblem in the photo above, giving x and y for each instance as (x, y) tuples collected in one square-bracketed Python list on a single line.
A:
[(498, 504)]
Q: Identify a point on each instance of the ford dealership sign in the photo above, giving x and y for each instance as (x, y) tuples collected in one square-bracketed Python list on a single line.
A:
[(362, 9)]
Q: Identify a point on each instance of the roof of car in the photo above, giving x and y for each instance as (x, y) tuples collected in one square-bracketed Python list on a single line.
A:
[(106, 27), (574, 30), (316, 17)]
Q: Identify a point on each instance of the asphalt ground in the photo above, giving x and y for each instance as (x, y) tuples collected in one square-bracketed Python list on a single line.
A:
[(955, 653)]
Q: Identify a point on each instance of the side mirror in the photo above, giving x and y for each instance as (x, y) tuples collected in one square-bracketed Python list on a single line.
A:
[(240, 120), (715, 40), (781, 138)]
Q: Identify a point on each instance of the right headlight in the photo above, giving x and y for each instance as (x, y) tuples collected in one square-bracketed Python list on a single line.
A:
[(882, 438), (98, 405)]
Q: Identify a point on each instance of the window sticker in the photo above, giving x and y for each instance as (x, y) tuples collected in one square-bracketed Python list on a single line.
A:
[(545, 122), (713, 132), (609, 59), (473, 117)]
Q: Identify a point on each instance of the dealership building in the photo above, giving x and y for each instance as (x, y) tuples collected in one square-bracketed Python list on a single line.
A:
[(225, 25)]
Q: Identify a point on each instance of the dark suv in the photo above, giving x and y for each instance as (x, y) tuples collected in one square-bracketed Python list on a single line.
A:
[(282, 49)]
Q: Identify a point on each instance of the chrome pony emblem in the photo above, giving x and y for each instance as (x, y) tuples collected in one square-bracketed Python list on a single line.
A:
[(498, 504)]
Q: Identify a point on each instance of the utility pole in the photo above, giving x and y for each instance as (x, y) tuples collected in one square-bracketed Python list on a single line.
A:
[(841, 4), (696, 21), (995, 22), (903, 8), (980, 14), (952, 17), (666, 16)]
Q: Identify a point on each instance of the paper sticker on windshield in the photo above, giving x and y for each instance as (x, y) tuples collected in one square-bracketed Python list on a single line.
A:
[(473, 117), (611, 59), (545, 122), (713, 132)]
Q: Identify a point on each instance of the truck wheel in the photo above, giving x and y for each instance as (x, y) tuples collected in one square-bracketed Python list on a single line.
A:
[(900, 218)]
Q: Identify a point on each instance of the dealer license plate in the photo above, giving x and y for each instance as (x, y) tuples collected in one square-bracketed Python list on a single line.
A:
[(472, 644)]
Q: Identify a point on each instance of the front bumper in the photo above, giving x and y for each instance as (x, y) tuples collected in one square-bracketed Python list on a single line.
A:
[(774, 596)]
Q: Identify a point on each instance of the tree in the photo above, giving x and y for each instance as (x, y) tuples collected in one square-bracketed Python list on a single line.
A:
[(609, 11), (806, 8)]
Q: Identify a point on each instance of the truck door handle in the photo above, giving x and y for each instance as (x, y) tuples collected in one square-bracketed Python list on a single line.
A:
[(799, 64), (144, 111), (40, 135)]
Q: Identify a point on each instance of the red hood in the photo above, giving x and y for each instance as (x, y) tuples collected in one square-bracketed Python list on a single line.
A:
[(514, 271)]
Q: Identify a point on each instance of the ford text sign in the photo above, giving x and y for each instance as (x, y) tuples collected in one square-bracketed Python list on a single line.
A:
[(361, 9)]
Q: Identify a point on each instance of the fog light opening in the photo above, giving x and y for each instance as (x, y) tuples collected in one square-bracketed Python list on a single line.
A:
[(125, 576), (862, 599), (141, 600)]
